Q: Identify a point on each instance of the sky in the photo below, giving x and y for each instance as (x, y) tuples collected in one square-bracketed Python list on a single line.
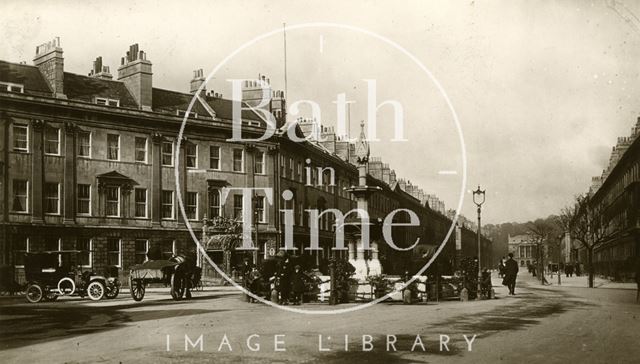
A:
[(541, 90)]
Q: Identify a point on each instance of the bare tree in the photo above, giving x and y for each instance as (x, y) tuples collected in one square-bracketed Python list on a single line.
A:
[(587, 224), (543, 233)]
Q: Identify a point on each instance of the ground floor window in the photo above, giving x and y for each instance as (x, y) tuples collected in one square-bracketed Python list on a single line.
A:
[(141, 248), (85, 256), (163, 249), (114, 252), (51, 244), (20, 248), (168, 248)]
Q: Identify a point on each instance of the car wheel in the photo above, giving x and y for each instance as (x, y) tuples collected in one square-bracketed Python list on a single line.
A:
[(34, 293), (66, 286), (113, 292), (95, 290)]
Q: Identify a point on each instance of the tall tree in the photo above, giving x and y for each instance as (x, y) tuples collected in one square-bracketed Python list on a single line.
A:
[(543, 234), (587, 225)]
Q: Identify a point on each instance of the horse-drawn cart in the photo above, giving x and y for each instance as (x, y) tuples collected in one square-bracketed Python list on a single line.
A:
[(179, 273)]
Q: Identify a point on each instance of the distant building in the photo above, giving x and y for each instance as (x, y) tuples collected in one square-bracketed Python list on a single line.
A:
[(523, 249)]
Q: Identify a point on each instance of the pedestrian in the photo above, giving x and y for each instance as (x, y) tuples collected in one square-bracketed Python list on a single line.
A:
[(485, 284), (534, 268), (510, 273), (254, 283), (298, 279), (245, 270), (578, 269), (501, 268), (284, 274)]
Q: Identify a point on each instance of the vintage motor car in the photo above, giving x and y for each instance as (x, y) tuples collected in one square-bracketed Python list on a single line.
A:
[(51, 274)]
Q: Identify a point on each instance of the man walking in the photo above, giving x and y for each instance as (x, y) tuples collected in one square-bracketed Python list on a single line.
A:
[(510, 273)]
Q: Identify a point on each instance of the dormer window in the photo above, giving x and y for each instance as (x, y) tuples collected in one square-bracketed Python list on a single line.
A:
[(182, 113), (107, 102), (11, 87)]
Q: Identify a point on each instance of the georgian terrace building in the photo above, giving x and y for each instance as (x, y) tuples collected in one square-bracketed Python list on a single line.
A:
[(616, 196), (88, 163)]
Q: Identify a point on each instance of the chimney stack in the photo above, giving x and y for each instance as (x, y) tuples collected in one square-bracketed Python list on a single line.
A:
[(254, 90), (49, 60), (197, 81), (135, 72), (100, 71)]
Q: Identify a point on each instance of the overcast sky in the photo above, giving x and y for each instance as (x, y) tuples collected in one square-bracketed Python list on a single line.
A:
[(542, 89)]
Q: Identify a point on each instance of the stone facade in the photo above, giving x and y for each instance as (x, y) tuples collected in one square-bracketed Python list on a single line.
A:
[(94, 171)]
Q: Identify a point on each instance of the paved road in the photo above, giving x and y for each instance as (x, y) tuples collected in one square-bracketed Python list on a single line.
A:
[(538, 325)]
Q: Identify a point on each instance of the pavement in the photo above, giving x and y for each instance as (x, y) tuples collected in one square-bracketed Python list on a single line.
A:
[(583, 281), (540, 324)]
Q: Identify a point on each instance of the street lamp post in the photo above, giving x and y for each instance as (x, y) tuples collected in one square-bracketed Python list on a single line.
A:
[(478, 199)]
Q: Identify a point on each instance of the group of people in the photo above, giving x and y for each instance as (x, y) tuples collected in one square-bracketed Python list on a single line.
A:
[(572, 268), (288, 281)]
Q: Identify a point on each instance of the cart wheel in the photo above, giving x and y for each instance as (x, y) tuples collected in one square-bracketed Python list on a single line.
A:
[(137, 289), (113, 292), (177, 288), (34, 293), (95, 290)]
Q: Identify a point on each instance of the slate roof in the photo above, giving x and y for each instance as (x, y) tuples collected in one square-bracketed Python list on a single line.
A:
[(85, 88), (170, 101), (29, 76)]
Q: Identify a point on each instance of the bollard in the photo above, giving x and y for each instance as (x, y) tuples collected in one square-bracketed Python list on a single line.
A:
[(406, 296), (274, 296), (464, 295)]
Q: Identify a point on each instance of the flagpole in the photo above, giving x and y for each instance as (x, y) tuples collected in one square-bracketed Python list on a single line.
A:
[(284, 33)]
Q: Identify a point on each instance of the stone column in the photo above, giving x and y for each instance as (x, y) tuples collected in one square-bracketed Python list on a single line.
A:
[(362, 270), (352, 250), (375, 267)]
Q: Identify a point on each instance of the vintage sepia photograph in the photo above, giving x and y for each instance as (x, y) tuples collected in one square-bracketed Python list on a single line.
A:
[(218, 181)]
